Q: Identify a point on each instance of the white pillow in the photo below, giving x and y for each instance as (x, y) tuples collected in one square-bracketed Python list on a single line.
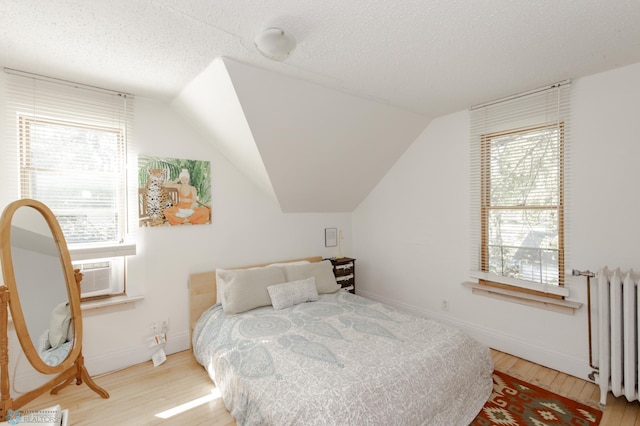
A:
[(321, 271), (219, 286), (59, 323), (246, 289), (220, 280), (292, 293)]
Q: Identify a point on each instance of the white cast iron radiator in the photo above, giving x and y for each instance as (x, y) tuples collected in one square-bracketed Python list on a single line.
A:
[(617, 330)]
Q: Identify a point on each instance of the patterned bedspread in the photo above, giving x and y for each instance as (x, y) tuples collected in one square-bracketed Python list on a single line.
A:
[(343, 360)]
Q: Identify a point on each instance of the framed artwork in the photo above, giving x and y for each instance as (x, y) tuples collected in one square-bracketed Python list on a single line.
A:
[(173, 192), (330, 237)]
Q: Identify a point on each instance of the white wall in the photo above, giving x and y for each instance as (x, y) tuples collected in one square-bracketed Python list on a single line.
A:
[(247, 228), (411, 234)]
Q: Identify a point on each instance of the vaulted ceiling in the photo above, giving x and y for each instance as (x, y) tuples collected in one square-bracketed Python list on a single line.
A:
[(365, 78), (311, 149)]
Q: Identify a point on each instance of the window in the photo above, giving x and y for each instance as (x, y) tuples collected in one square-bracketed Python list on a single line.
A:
[(72, 146), (78, 172), (518, 182)]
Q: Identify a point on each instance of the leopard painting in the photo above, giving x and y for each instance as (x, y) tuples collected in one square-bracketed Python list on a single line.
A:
[(157, 197)]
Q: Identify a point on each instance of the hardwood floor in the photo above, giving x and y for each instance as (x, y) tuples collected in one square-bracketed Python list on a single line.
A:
[(618, 411), (139, 394)]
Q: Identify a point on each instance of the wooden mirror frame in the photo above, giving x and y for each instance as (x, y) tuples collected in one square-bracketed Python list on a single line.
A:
[(72, 367)]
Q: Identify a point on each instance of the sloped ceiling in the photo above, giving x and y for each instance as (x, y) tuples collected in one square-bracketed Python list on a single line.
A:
[(210, 103), (310, 148), (374, 59)]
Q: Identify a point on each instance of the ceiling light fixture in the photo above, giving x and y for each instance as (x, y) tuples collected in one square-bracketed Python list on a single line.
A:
[(275, 44)]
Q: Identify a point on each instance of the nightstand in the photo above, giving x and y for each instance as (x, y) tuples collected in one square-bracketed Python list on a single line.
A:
[(344, 270)]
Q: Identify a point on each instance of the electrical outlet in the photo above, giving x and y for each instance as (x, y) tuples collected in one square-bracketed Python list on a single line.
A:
[(444, 304), (157, 339)]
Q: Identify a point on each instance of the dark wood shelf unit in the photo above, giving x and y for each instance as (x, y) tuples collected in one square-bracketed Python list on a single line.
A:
[(344, 270)]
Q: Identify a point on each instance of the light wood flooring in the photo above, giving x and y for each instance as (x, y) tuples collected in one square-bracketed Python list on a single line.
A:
[(140, 393)]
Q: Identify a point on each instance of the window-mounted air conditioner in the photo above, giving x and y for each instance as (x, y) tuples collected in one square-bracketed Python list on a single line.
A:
[(97, 278)]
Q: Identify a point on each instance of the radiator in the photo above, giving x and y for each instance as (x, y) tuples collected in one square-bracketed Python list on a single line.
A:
[(617, 333)]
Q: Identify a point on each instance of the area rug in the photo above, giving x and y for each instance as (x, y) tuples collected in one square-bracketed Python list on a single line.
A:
[(517, 403)]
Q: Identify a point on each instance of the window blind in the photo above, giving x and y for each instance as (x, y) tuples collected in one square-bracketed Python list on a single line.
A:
[(519, 152), (70, 147)]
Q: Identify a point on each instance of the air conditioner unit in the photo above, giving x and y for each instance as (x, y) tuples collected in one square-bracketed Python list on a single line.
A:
[(97, 278)]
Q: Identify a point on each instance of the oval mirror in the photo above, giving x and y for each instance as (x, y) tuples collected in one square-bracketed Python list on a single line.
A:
[(44, 297)]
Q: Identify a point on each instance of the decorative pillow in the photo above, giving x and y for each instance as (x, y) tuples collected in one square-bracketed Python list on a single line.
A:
[(219, 285), (220, 280), (246, 289), (43, 342), (71, 334), (292, 293), (59, 323), (321, 271)]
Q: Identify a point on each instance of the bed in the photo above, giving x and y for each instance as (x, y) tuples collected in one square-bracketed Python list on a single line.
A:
[(329, 358)]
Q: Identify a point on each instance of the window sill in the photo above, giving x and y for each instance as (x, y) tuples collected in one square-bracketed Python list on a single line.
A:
[(97, 304), (111, 301), (556, 305), (527, 285)]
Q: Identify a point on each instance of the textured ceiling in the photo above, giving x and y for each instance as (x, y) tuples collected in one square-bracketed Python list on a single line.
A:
[(428, 56), (365, 79)]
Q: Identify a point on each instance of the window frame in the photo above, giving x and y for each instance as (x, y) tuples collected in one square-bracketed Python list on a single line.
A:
[(486, 206), (35, 100), (27, 171)]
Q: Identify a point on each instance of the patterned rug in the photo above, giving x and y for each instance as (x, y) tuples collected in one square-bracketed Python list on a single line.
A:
[(517, 403)]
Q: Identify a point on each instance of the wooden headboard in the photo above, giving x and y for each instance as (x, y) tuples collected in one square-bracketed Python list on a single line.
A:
[(202, 289)]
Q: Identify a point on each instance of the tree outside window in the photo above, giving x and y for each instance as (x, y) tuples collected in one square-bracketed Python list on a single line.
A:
[(522, 204)]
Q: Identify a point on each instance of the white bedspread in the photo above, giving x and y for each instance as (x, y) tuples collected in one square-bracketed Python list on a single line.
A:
[(343, 360)]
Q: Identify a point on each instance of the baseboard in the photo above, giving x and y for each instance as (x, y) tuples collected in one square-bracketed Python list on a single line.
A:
[(118, 360), (104, 363), (495, 339)]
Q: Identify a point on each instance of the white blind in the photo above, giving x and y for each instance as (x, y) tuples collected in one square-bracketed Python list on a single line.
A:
[(70, 147), (519, 149)]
